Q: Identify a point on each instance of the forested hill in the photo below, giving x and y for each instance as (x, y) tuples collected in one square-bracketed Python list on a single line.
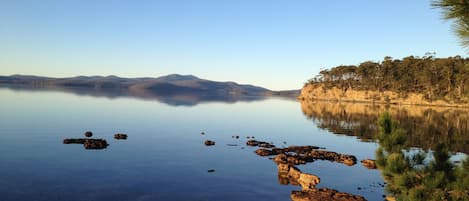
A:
[(433, 78)]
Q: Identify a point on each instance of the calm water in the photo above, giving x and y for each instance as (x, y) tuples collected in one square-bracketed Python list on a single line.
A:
[(164, 157)]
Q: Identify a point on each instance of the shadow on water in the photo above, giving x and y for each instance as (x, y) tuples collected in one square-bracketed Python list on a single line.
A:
[(426, 126), (186, 98)]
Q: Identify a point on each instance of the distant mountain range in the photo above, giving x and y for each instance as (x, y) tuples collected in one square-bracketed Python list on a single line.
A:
[(175, 88)]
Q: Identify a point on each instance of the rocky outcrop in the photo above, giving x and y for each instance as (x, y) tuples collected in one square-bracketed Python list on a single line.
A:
[(287, 158), (321, 92), (304, 154)]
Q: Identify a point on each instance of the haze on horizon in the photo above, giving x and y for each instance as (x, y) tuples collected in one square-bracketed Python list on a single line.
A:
[(273, 44)]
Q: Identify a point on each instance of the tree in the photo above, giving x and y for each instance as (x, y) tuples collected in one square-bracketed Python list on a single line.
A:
[(458, 11)]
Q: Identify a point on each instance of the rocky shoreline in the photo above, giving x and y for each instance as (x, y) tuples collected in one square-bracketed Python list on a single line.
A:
[(287, 159)]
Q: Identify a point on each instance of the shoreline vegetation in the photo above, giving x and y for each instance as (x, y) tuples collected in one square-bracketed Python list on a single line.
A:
[(412, 80)]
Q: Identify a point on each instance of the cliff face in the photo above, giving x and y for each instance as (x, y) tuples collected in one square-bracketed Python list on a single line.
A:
[(320, 92)]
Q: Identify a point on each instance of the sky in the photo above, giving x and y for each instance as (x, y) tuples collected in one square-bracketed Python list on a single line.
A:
[(277, 44)]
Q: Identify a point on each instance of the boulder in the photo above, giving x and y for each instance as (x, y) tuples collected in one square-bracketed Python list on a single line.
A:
[(308, 181), (294, 173)]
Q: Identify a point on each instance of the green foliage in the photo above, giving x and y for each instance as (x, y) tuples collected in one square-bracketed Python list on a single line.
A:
[(385, 124), (435, 78), (458, 12), (407, 179)]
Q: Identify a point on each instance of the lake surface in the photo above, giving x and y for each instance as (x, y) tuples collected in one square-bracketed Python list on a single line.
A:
[(164, 157)]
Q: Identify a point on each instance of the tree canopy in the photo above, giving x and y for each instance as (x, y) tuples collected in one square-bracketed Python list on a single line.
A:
[(436, 78), (458, 11), (417, 174)]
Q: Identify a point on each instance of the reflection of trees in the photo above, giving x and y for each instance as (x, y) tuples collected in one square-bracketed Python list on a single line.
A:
[(426, 126), (415, 175)]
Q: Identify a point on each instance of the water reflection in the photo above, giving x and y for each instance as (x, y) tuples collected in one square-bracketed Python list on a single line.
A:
[(173, 99), (426, 126), (418, 174)]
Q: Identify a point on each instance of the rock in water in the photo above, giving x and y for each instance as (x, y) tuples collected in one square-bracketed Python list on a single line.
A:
[(120, 136), (88, 133), (368, 163), (95, 144), (308, 181)]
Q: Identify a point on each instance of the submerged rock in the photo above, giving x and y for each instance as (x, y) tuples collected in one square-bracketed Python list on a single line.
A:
[(254, 143), (120, 136), (368, 163), (74, 141), (209, 143), (297, 155), (88, 133), (324, 194)]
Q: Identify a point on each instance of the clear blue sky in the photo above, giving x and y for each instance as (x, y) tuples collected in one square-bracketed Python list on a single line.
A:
[(278, 44)]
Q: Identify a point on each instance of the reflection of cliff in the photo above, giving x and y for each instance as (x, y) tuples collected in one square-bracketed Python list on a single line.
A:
[(427, 126), (174, 99)]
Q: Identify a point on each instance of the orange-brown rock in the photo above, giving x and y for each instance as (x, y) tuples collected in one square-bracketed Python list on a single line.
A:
[(324, 194), (283, 168), (268, 152), (294, 173), (390, 198), (368, 163), (209, 142), (308, 181), (262, 144), (333, 156)]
